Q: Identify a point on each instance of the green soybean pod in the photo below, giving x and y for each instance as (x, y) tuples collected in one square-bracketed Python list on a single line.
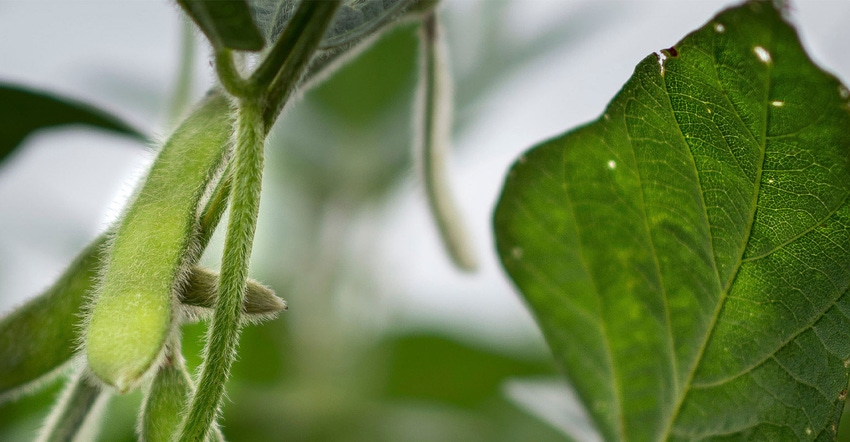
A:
[(433, 127), (39, 338), (198, 299), (166, 400), (154, 245)]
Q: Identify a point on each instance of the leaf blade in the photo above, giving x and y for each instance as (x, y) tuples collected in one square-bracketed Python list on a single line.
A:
[(226, 23), (24, 111), (731, 154)]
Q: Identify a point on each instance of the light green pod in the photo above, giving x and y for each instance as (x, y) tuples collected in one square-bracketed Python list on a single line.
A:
[(39, 338), (165, 402), (433, 124), (198, 298), (133, 311)]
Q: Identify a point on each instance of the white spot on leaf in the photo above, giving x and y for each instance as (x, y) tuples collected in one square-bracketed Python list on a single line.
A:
[(516, 252), (661, 57), (719, 28), (762, 54), (777, 103), (612, 164), (843, 92)]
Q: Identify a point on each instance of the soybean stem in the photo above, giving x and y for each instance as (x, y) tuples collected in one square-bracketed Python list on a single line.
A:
[(223, 335)]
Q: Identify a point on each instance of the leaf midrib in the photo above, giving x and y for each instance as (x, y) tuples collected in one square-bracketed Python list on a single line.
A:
[(733, 275)]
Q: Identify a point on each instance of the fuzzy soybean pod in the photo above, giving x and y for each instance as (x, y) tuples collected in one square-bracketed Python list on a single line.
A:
[(165, 402), (134, 309), (38, 339)]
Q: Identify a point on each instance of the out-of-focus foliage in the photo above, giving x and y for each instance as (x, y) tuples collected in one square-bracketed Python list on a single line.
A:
[(25, 111)]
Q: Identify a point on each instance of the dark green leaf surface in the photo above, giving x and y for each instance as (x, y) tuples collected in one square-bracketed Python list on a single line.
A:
[(24, 111), (687, 255), (226, 23)]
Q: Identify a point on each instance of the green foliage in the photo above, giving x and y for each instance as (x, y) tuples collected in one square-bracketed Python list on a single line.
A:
[(24, 111), (227, 24), (686, 253)]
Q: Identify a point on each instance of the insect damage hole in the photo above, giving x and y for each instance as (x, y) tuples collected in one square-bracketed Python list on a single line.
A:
[(612, 164), (777, 103), (719, 28), (661, 56)]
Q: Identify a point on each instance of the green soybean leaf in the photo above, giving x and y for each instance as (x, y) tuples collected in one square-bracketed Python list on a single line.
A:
[(355, 20), (24, 111), (226, 23), (154, 247), (687, 255), (37, 339)]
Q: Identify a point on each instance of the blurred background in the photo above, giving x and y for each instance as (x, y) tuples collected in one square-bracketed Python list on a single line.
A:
[(384, 339)]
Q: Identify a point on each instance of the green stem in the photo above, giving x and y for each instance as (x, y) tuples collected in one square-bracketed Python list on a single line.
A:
[(286, 41), (253, 121), (223, 335), (230, 77), (71, 411), (299, 58)]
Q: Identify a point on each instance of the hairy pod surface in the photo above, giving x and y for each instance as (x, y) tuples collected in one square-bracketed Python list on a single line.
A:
[(152, 249), (165, 401), (39, 338), (201, 291)]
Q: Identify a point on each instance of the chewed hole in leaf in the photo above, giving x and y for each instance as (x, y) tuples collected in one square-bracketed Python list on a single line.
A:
[(661, 56)]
